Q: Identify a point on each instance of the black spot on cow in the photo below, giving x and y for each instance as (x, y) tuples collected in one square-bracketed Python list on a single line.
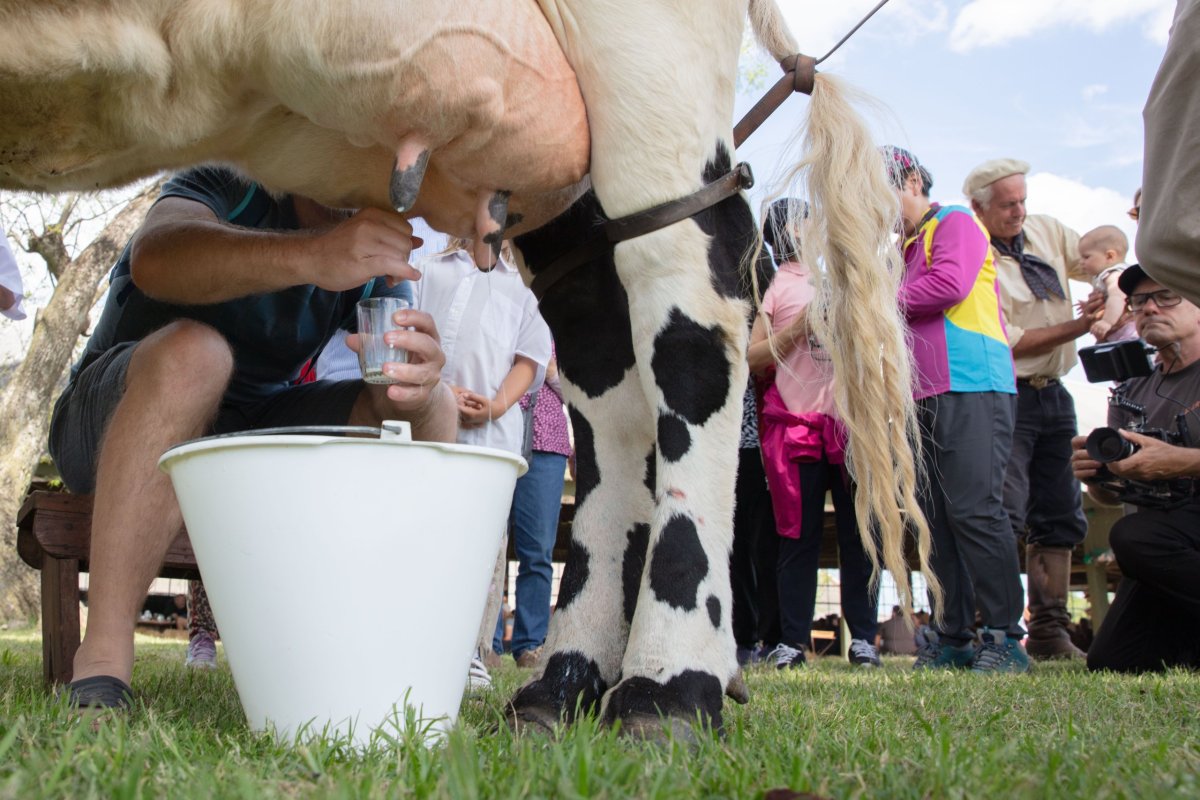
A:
[(587, 309), (498, 211), (587, 469), (714, 610), (691, 368), (673, 438), (649, 480), (681, 698), (633, 564), (570, 684), (733, 231), (575, 575), (678, 564)]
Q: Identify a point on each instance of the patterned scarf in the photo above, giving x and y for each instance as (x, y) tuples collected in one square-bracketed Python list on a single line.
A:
[(1040, 276)]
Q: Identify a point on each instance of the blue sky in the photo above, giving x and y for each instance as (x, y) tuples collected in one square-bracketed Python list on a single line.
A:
[(1058, 83)]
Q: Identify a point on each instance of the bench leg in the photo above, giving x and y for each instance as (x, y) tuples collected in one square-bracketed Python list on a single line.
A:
[(60, 618)]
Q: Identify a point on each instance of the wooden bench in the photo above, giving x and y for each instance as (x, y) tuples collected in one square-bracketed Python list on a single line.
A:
[(54, 532)]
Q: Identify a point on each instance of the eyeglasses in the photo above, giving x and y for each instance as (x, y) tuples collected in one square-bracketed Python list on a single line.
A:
[(1163, 298), (1134, 213)]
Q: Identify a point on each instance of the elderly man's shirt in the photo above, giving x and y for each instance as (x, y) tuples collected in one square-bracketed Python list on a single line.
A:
[(1058, 245)]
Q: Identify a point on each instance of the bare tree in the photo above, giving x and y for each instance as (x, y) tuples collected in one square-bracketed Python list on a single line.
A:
[(28, 397)]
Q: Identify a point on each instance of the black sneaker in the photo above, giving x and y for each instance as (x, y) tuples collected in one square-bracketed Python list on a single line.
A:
[(786, 656), (863, 654)]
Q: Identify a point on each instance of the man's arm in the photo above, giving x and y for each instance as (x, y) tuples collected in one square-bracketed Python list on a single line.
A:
[(957, 253), (1037, 341), (1156, 460), (184, 254)]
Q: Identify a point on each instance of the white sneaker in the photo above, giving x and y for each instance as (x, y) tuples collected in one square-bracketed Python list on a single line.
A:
[(863, 654), (477, 675)]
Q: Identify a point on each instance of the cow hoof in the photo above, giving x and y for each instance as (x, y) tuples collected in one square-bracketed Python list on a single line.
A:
[(532, 720), (655, 711), (660, 730), (569, 685), (736, 690), (406, 181)]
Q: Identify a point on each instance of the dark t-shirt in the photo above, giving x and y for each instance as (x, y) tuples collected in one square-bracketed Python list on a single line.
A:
[(1164, 398), (272, 335)]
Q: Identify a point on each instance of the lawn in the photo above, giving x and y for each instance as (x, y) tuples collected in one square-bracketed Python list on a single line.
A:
[(826, 730)]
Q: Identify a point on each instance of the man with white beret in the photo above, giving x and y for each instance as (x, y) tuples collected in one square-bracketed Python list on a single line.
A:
[(1034, 257)]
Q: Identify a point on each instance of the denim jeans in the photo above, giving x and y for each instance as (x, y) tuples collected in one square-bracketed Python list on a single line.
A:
[(534, 524)]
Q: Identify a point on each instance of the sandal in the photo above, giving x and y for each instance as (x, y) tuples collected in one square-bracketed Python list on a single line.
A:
[(100, 692)]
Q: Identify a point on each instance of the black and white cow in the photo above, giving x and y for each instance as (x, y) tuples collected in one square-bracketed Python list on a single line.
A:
[(471, 115)]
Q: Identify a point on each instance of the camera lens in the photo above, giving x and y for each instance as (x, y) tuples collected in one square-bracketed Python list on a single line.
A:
[(1106, 445)]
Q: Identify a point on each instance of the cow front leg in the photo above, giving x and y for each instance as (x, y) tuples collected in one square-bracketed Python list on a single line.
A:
[(599, 589), (689, 340)]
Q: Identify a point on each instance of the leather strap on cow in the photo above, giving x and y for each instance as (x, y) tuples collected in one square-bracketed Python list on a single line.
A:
[(641, 223), (799, 75)]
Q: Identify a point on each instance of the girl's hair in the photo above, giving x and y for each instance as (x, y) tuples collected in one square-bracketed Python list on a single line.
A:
[(779, 228)]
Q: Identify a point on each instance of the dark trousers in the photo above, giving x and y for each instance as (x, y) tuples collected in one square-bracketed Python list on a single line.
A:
[(754, 555), (966, 440), (799, 560), (1155, 620), (1040, 492)]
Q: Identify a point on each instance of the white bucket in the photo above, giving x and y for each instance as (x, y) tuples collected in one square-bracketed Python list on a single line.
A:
[(345, 575)]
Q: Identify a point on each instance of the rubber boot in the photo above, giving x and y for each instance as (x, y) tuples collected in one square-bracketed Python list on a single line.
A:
[(1049, 570)]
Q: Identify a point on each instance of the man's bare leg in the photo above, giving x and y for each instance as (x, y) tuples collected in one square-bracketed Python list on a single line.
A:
[(173, 388)]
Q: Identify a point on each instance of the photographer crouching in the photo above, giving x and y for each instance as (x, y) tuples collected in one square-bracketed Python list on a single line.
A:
[(1154, 621)]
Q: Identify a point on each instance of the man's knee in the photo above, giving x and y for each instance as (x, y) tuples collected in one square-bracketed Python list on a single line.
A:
[(184, 354)]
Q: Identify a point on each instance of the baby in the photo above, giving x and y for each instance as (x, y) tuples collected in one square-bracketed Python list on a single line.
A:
[(1102, 256)]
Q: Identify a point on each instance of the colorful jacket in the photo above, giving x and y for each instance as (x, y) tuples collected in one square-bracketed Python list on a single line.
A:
[(951, 299)]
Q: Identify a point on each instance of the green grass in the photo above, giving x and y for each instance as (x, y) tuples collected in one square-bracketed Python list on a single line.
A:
[(827, 730)]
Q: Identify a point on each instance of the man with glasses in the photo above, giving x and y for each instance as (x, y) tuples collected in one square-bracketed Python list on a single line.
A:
[(1154, 622), (1034, 256)]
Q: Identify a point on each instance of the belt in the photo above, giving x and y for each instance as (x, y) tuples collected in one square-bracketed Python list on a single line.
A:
[(1038, 382)]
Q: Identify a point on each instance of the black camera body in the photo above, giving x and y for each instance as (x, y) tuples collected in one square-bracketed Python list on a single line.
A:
[(1106, 445), (1116, 361)]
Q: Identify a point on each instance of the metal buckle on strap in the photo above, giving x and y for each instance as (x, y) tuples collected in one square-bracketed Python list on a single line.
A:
[(1040, 382)]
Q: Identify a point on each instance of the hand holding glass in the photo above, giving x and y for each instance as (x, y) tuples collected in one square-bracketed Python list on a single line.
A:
[(374, 320)]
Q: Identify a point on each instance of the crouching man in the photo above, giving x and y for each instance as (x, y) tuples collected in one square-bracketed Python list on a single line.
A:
[(1154, 622), (221, 297)]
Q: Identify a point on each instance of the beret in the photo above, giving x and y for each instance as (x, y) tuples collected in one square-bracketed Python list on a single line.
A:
[(989, 172)]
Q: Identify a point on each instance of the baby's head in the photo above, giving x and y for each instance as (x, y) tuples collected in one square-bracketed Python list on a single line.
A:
[(1102, 247)]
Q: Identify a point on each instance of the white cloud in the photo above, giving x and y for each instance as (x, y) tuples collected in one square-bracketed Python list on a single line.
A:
[(988, 23), (1094, 90), (819, 25), (1080, 206)]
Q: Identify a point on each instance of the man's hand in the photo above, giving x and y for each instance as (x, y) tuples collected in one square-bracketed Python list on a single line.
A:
[(1083, 465), (1156, 460), (416, 380), (371, 244)]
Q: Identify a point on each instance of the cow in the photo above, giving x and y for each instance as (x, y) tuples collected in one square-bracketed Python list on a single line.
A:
[(539, 120)]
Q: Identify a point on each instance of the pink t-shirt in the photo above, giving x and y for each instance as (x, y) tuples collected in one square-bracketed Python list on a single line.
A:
[(805, 378)]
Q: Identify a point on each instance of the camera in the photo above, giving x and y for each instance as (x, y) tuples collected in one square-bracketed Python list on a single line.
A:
[(1106, 445), (1116, 361)]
